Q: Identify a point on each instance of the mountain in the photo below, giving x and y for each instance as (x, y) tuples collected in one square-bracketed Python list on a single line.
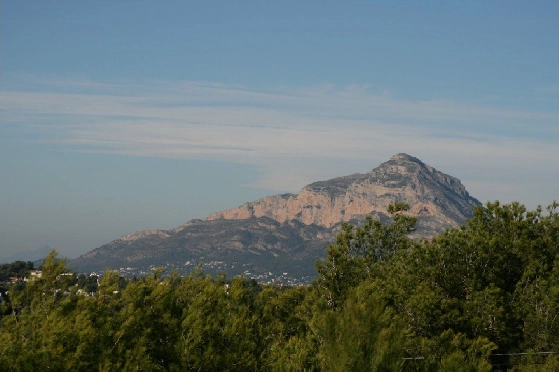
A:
[(280, 237), (35, 256)]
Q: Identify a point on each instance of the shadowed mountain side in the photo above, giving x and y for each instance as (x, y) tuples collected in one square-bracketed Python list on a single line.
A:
[(258, 243)]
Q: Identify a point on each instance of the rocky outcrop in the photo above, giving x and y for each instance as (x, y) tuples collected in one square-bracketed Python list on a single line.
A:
[(437, 199), (143, 234)]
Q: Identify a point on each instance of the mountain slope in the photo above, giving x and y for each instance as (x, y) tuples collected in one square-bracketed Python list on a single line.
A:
[(29, 255), (289, 232)]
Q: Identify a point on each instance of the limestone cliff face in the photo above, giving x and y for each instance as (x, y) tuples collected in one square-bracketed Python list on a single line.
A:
[(437, 199), (144, 234)]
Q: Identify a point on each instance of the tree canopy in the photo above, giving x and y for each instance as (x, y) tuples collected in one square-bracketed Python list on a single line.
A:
[(483, 294)]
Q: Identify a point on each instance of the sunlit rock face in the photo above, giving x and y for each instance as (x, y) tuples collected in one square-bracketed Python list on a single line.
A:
[(437, 199)]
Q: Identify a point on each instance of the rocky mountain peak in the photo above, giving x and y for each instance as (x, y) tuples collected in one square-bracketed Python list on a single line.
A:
[(402, 164), (402, 157), (436, 198)]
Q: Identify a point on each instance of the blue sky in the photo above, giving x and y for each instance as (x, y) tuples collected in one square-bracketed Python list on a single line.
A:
[(118, 116)]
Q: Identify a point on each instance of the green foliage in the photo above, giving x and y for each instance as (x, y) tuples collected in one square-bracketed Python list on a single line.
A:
[(18, 269), (480, 294), (358, 251), (361, 336), (88, 284), (491, 276), (494, 280), (283, 326)]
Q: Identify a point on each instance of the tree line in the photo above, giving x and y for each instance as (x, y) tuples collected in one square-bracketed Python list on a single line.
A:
[(477, 297), (19, 269)]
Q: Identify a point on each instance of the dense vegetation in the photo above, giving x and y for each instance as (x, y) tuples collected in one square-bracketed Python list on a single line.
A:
[(13, 272), (380, 302), (18, 269)]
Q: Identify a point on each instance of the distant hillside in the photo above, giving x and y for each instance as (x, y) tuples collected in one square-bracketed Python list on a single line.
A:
[(29, 255), (288, 233)]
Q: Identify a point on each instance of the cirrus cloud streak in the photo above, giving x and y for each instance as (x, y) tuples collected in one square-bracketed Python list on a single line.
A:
[(295, 136)]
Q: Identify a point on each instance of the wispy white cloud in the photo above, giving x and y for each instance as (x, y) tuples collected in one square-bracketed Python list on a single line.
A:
[(295, 136)]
